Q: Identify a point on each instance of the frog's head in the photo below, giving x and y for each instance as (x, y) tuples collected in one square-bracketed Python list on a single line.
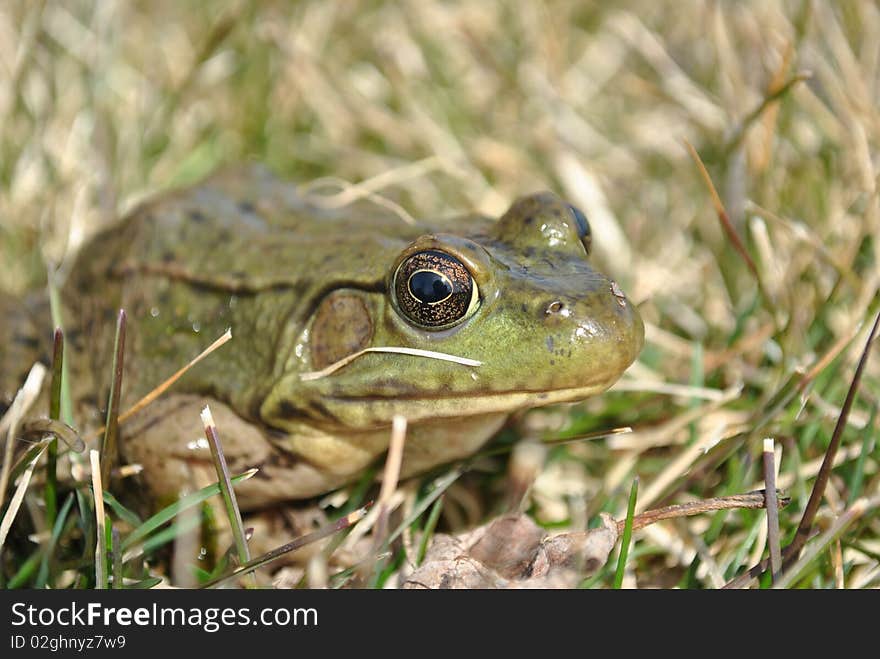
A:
[(517, 295)]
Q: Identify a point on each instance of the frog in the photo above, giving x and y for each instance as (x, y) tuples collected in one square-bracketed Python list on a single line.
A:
[(342, 318)]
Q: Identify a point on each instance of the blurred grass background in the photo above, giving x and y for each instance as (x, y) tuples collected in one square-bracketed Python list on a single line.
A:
[(104, 103)]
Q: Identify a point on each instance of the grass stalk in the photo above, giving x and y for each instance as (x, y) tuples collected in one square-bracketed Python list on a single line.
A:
[(229, 501), (109, 445), (50, 489), (55, 306), (100, 522), (769, 461), (342, 523)]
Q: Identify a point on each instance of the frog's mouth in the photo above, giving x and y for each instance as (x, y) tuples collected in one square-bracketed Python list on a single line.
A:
[(372, 410)]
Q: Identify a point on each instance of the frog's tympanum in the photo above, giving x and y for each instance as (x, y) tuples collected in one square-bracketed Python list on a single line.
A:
[(302, 288)]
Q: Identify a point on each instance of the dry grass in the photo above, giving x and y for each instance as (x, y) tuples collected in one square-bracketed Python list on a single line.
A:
[(104, 103)]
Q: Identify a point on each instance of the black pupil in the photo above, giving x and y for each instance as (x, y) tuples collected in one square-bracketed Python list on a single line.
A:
[(429, 286)]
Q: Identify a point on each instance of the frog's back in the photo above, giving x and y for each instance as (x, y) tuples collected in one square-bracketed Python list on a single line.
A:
[(243, 229)]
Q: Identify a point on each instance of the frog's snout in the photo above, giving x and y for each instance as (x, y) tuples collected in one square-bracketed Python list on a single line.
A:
[(600, 332), (633, 338)]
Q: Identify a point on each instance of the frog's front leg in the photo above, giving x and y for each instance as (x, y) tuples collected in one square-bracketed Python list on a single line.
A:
[(168, 440)]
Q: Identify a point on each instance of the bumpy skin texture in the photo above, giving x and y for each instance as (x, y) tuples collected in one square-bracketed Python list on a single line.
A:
[(19, 346), (301, 287)]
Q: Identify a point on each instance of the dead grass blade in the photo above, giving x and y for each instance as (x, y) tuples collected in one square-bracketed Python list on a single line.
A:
[(416, 352), (822, 363), (11, 420), (774, 95), (589, 436), (751, 500), (769, 460), (329, 201), (100, 520), (527, 458), (57, 429), (353, 191), (229, 500), (162, 388), (726, 224), (390, 478), (18, 497), (386, 500), (340, 524)]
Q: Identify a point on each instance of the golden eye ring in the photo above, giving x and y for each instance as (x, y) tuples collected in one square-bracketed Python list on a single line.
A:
[(434, 290)]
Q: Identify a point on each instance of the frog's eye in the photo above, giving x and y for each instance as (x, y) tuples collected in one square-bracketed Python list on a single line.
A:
[(583, 227), (435, 290)]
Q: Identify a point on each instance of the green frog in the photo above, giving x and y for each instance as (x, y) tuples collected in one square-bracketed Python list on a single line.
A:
[(307, 291)]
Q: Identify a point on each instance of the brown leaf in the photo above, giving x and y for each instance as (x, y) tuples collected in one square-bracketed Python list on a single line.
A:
[(514, 552)]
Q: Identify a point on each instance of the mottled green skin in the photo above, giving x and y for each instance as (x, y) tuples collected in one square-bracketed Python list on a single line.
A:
[(243, 251)]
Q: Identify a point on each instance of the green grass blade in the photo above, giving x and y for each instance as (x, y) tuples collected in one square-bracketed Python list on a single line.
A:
[(168, 513), (428, 531), (114, 556), (121, 511), (50, 490), (868, 443), (66, 402), (440, 486), (49, 549), (145, 583), (627, 534), (26, 570), (169, 533), (87, 524)]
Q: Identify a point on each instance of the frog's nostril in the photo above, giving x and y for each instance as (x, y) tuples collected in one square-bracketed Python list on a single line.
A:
[(619, 294), (555, 307)]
